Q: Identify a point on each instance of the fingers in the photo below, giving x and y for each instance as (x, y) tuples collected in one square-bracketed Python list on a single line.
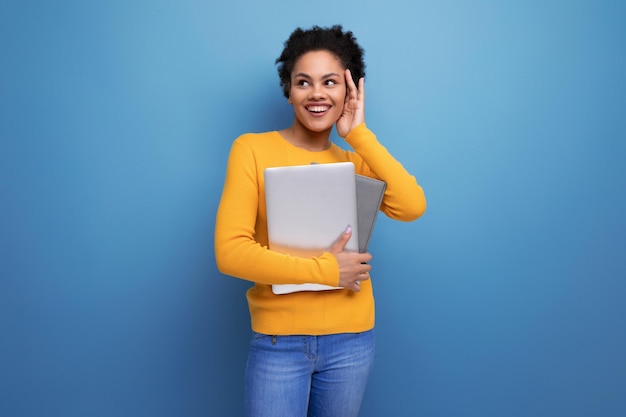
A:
[(341, 243), (353, 267), (354, 284), (361, 90), (353, 91), (350, 82), (365, 258)]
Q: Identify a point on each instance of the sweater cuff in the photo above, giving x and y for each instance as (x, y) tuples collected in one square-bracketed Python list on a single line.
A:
[(330, 269)]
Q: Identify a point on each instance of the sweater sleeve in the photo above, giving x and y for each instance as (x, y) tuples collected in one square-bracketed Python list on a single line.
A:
[(237, 253), (404, 198)]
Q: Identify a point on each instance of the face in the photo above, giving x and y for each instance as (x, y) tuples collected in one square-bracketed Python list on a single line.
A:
[(318, 90)]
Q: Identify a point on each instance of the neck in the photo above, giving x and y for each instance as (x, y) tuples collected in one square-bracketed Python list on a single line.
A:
[(302, 137)]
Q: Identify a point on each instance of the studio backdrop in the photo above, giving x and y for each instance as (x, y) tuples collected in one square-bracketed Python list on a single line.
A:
[(506, 299)]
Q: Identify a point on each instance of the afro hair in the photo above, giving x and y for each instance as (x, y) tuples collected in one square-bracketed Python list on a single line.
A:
[(334, 39)]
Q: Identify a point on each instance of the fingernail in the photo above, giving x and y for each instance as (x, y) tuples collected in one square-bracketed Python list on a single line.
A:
[(348, 229)]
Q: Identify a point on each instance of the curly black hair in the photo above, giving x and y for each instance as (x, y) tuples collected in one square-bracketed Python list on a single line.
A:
[(333, 39)]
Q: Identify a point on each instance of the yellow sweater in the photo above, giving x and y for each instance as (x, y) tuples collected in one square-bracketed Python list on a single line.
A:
[(241, 235)]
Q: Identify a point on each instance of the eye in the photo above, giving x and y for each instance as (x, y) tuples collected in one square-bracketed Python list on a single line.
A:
[(330, 82), (302, 83)]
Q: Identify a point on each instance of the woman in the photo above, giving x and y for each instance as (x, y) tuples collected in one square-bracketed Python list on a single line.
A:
[(311, 352)]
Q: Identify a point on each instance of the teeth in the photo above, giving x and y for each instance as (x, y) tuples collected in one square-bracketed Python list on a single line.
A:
[(317, 109)]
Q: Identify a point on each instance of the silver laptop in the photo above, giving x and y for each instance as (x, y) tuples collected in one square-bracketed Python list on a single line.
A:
[(308, 208)]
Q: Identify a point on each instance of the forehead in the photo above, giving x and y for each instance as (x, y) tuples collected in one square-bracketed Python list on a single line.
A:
[(318, 62)]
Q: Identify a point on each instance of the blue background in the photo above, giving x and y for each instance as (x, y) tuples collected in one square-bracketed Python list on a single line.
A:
[(505, 299)]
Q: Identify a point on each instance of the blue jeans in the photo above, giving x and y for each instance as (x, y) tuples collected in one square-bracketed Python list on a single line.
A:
[(314, 376)]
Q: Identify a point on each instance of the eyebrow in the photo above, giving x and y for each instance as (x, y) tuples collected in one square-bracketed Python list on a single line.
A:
[(304, 75)]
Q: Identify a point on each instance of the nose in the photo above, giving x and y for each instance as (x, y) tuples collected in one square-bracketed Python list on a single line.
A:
[(317, 92)]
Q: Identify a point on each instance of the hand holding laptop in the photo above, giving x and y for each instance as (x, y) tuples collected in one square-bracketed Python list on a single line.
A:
[(352, 266)]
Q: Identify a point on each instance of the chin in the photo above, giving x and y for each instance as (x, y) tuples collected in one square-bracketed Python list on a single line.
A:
[(319, 129), (316, 127)]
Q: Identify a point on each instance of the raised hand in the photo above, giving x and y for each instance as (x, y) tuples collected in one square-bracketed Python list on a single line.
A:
[(352, 266), (354, 106)]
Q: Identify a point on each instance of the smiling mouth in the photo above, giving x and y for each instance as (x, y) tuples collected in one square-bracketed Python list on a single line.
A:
[(318, 109)]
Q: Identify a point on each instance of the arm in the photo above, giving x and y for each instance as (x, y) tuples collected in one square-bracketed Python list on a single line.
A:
[(404, 199), (237, 252)]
